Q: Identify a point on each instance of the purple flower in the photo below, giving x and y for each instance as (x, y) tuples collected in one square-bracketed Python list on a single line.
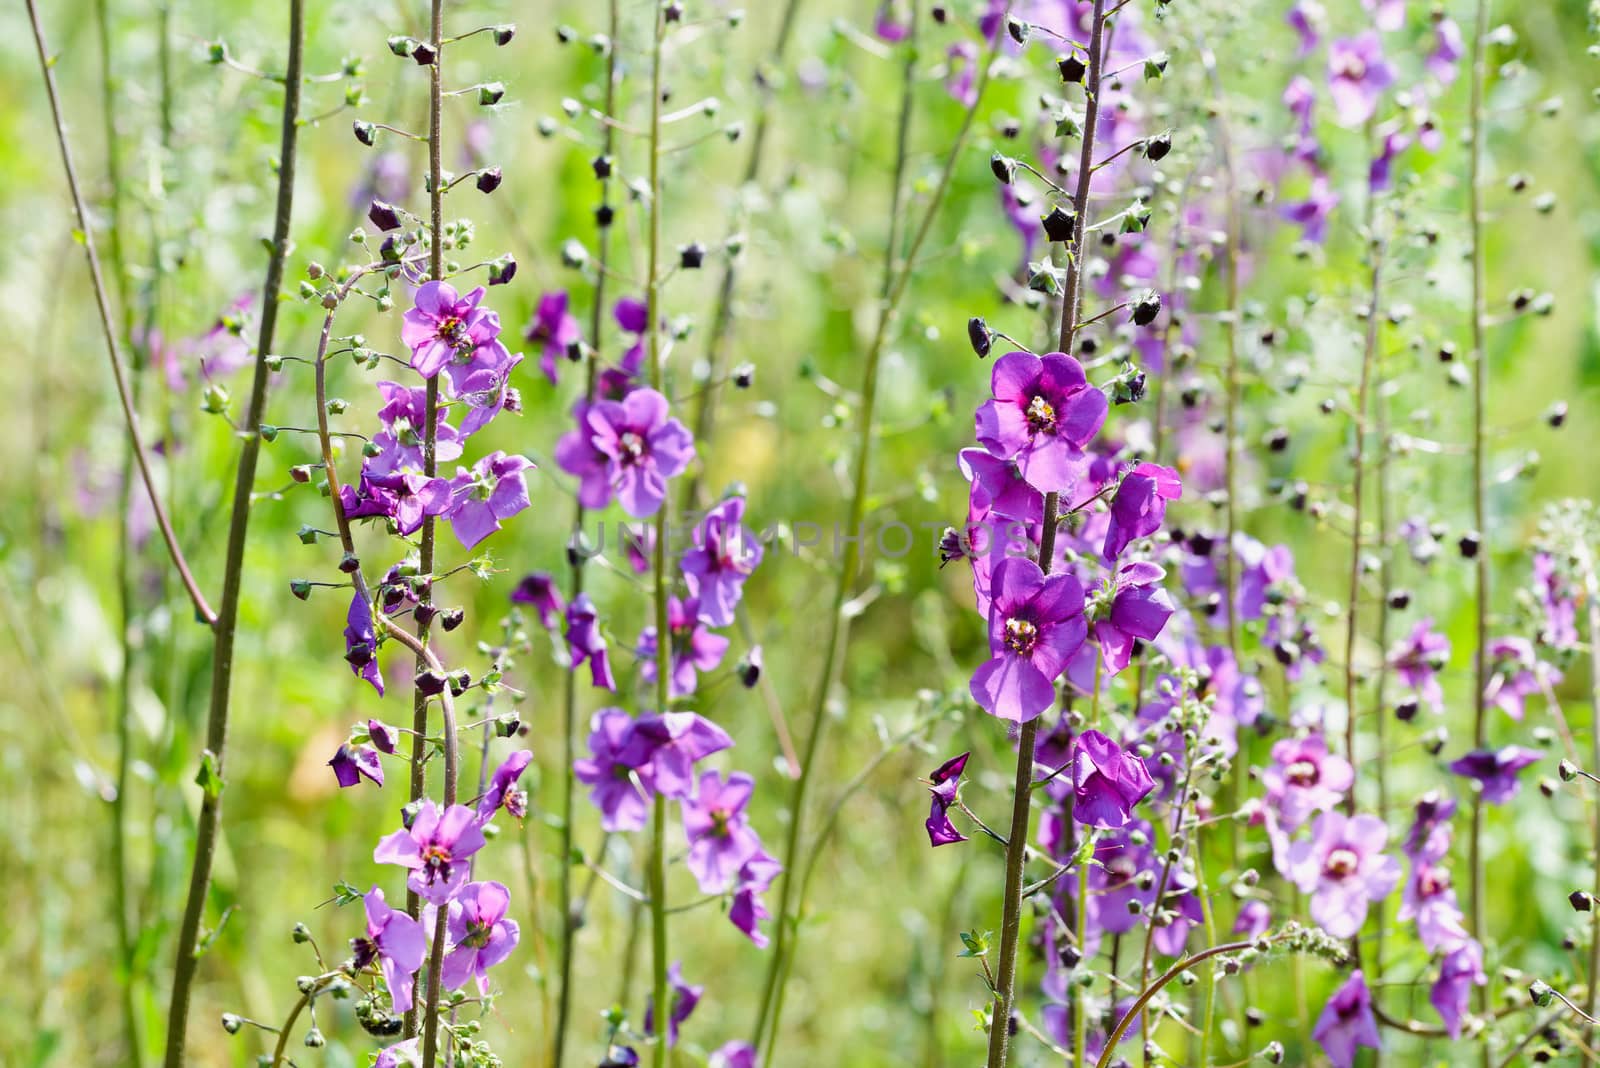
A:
[(692, 648), (396, 942), (1495, 769), (1107, 781), (1418, 658), (946, 780), (361, 645), (1312, 213), (1395, 141), (998, 488), (1120, 878), (623, 805), (890, 24), (1035, 626), (1447, 50), (1459, 971), (444, 327), (1347, 1022), (1556, 597), (721, 559), (734, 1055), (435, 847), (585, 642), (664, 749), (503, 790), (961, 60), (382, 735), (404, 420), (493, 490), (1387, 15), (684, 999), (1139, 610), (576, 454), (720, 838), (1344, 869), (1042, 415), (1306, 18), (1253, 920), (1140, 506), (1304, 778), (539, 589), (349, 764), (480, 934), (554, 329), (643, 447), (1357, 77), (748, 910), (400, 1055), (1518, 675), (1430, 902), (1429, 838)]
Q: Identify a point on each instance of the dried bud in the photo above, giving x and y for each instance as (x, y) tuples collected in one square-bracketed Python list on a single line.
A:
[(1072, 68), (424, 54), (1157, 147), (1059, 224), (692, 256), (503, 35), (744, 375)]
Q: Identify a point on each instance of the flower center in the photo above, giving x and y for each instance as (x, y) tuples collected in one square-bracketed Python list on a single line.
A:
[(1302, 773), (1020, 636), (1433, 881), (1352, 67), (719, 822), (478, 934), (452, 329), (1120, 871), (364, 950), (436, 861), (1041, 416), (1342, 862), (632, 446)]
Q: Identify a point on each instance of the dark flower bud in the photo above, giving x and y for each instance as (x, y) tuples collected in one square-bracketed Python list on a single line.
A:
[(1406, 710), (425, 613), (384, 215), (1468, 543), (489, 180), (1059, 224), (1581, 901), (424, 54), (673, 12), (460, 683), (1436, 740), (1278, 439), (604, 215), (940, 13), (1019, 31), (1272, 1053), (744, 375), (231, 1023), (1072, 68), (430, 683), (1286, 652), (503, 35), (573, 254), (979, 335), (749, 669), (301, 588), (1556, 414), (502, 270), (1157, 147), (402, 46), (602, 167), (1146, 307), (1399, 600), (314, 1039), (1567, 770), (452, 618), (1011, 129), (692, 256), (566, 35), (491, 93), (1548, 787), (350, 563), (1003, 167), (365, 132), (1540, 992)]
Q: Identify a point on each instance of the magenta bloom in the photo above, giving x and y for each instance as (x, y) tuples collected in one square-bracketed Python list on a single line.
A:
[(1518, 675), (1347, 1022), (720, 838), (1305, 17), (684, 998), (1459, 971), (946, 780), (734, 1055), (623, 805), (748, 910), (493, 490), (576, 454), (643, 447), (1429, 901), (1344, 869), (404, 421), (890, 24), (444, 327), (350, 763), (503, 791), (1357, 77), (723, 555), (1447, 50), (480, 934), (1107, 781), (1042, 415), (693, 648), (1035, 626), (1140, 506), (1304, 778), (1418, 658), (585, 642), (1253, 920), (1429, 838), (998, 488), (539, 589), (1495, 769), (664, 749), (400, 1055), (1139, 610), (361, 647), (396, 942), (435, 847), (554, 329)]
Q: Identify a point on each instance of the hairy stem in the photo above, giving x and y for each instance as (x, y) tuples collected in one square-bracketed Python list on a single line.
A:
[(1369, 358)]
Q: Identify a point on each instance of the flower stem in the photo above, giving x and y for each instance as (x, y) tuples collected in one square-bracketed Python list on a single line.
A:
[(1155, 988), (227, 620), (1364, 391), (896, 280), (130, 414), (577, 559), (1021, 809)]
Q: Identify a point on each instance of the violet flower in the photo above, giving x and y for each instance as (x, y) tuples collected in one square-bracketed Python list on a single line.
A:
[(435, 848), (503, 791), (1447, 50), (1253, 920), (748, 910), (1429, 837), (396, 942), (1451, 995), (349, 764), (684, 998), (1042, 414), (1344, 869), (1035, 626), (664, 748), (1140, 506), (1312, 213), (1347, 1022), (1357, 77), (1418, 658), (1304, 778), (382, 736), (734, 1055), (586, 643), (1107, 781), (1495, 769), (443, 326), (480, 934), (720, 838), (998, 488), (576, 454), (693, 648), (539, 589), (554, 329), (1139, 610), (623, 805), (722, 557), (946, 780), (1306, 18), (400, 1055), (643, 446), (361, 646), (1429, 901), (404, 421), (1518, 675), (493, 490)]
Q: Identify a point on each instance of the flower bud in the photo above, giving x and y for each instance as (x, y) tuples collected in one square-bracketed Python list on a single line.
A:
[(301, 935), (503, 35), (1072, 68), (979, 335), (491, 93), (451, 619), (231, 1023), (1146, 307), (1541, 993), (1581, 902), (1059, 224), (692, 255), (424, 54), (402, 46), (365, 132), (744, 375), (430, 683), (1003, 167), (489, 179), (1567, 771), (1157, 147)]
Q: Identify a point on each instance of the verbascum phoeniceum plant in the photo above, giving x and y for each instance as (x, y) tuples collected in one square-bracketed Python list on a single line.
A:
[(1209, 800)]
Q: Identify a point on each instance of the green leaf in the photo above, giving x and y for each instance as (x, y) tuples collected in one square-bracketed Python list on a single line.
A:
[(208, 778)]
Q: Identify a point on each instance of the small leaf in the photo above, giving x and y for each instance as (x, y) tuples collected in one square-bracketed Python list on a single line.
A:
[(209, 778)]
